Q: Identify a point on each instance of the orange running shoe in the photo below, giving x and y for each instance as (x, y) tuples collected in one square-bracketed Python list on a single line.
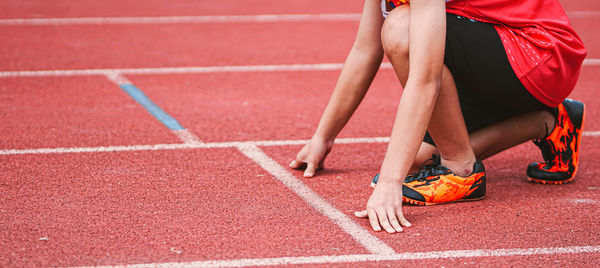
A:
[(560, 148), (435, 184)]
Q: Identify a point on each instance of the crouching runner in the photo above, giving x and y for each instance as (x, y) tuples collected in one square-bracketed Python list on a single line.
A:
[(479, 77)]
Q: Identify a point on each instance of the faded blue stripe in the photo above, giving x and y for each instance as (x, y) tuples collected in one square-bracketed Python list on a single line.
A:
[(156, 111)]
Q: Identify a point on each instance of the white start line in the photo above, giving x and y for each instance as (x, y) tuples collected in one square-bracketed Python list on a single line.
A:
[(373, 257)]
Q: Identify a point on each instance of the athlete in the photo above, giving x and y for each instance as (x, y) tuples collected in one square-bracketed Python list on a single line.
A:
[(479, 77)]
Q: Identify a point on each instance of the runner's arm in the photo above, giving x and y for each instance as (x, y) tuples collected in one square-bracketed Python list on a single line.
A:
[(427, 31), (356, 76), (427, 44)]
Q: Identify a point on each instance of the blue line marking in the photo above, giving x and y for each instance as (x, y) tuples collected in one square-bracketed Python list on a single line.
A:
[(156, 111)]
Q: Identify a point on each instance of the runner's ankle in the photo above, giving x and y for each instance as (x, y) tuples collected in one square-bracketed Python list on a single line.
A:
[(462, 168)]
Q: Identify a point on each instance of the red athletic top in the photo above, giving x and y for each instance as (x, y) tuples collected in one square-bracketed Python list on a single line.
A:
[(544, 51), (542, 48)]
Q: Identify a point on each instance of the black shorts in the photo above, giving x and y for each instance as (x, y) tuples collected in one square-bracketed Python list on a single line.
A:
[(488, 89)]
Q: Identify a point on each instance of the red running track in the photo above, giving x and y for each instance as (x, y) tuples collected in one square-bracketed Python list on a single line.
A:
[(135, 207), (43, 112), (203, 204), (136, 8), (131, 46)]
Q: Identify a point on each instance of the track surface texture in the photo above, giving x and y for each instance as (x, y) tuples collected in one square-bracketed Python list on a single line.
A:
[(157, 134)]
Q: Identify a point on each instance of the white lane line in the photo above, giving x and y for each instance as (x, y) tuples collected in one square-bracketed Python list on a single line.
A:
[(585, 201), (591, 62), (191, 145), (178, 70), (591, 133), (186, 136), (203, 69), (373, 258), (117, 78), (361, 235), (302, 142), (153, 147), (62, 150), (266, 18), (183, 19)]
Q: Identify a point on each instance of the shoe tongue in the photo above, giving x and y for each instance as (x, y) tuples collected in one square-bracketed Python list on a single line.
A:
[(442, 169), (431, 170)]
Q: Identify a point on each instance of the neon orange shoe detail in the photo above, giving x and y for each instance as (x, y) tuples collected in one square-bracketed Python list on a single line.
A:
[(435, 184), (560, 148)]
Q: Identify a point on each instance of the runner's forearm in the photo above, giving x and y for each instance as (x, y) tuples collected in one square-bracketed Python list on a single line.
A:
[(352, 85), (427, 35), (356, 76)]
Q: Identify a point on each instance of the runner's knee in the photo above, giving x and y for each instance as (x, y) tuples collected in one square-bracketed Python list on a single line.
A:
[(394, 33)]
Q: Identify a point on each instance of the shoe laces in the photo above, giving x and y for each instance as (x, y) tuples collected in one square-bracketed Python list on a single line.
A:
[(432, 166), (545, 147)]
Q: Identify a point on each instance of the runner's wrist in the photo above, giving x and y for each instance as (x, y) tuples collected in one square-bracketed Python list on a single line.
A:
[(385, 177), (323, 138)]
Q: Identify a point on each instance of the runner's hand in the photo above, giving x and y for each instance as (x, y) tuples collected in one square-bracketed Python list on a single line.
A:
[(311, 156), (384, 208)]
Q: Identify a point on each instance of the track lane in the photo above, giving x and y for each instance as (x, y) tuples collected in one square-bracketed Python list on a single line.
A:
[(572, 5), (118, 46), (586, 26), (161, 206), (205, 44), (90, 8), (514, 213), (586, 90), (72, 111), (260, 106)]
